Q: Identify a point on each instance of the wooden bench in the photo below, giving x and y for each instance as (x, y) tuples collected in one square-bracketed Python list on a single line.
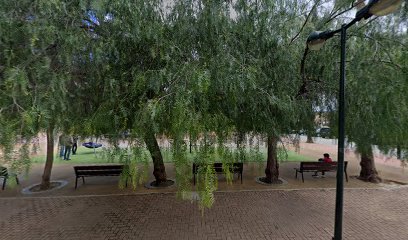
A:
[(97, 170), (319, 167), (234, 168), (5, 175)]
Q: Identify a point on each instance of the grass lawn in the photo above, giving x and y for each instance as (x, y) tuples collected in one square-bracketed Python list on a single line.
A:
[(83, 155), (86, 155)]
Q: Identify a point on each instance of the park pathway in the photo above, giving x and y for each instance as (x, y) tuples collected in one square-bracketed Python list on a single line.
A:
[(380, 214)]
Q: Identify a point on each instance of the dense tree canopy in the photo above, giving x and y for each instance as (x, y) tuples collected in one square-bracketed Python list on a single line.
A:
[(202, 70)]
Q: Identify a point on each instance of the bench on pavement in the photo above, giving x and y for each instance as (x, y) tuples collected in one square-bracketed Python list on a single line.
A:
[(5, 175), (96, 170), (319, 167), (234, 168)]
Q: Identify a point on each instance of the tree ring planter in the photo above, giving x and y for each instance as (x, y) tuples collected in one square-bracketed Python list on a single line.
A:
[(35, 188), (261, 180), (167, 184)]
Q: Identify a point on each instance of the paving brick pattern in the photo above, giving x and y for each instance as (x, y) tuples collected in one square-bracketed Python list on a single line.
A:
[(375, 214)]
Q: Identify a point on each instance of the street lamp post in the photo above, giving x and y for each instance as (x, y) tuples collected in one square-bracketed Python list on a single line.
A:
[(314, 42)]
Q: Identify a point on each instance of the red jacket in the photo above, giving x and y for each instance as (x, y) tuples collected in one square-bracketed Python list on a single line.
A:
[(327, 160)]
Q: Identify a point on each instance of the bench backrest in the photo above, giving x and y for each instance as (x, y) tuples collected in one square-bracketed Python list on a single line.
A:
[(320, 166), (235, 167), (3, 172), (98, 170)]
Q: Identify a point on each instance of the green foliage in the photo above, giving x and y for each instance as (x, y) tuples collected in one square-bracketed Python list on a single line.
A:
[(136, 162), (37, 48), (183, 169), (202, 69), (376, 86)]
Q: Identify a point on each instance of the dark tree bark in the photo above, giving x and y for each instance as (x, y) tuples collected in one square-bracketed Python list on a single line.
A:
[(45, 183), (310, 125), (368, 171), (272, 165), (399, 155), (309, 137), (240, 139), (159, 170), (191, 143)]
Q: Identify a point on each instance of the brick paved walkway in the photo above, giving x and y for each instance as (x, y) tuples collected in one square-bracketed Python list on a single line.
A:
[(278, 214)]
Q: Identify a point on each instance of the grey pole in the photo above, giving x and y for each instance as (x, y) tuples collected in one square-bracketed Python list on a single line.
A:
[(338, 224)]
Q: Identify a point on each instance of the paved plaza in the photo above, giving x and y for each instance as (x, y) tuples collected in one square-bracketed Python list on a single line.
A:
[(270, 214), (295, 210)]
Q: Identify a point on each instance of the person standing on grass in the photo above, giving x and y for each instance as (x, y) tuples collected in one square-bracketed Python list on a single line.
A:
[(326, 158), (74, 144), (68, 147)]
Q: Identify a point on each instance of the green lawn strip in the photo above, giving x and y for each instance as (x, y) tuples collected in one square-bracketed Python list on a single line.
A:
[(86, 155), (83, 155)]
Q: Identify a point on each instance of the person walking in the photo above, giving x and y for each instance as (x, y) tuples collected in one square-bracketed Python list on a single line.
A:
[(68, 147), (74, 144)]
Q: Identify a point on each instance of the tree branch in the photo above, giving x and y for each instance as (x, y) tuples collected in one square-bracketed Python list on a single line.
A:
[(18, 105), (304, 23), (332, 17), (303, 89)]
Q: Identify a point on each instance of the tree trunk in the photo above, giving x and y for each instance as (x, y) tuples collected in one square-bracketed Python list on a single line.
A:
[(399, 156), (159, 170), (310, 131), (368, 171), (240, 139), (309, 137), (45, 183), (272, 165), (191, 143)]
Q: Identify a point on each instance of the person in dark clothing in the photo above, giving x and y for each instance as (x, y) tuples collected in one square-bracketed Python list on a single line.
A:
[(74, 145)]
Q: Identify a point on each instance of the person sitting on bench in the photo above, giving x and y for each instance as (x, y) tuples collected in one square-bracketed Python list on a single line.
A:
[(326, 158)]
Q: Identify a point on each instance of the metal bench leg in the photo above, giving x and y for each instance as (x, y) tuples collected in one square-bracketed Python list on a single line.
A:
[(346, 176), (18, 181), (83, 180), (296, 174), (303, 178), (241, 177), (76, 182)]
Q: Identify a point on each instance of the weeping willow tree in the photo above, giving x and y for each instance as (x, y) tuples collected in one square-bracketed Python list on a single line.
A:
[(317, 92), (377, 93), (266, 52), (376, 81), (203, 69), (37, 39), (130, 53)]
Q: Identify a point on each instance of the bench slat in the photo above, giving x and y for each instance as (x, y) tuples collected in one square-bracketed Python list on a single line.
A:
[(234, 168), (98, 167), (98, 173), (319, 167), (97, 170)]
